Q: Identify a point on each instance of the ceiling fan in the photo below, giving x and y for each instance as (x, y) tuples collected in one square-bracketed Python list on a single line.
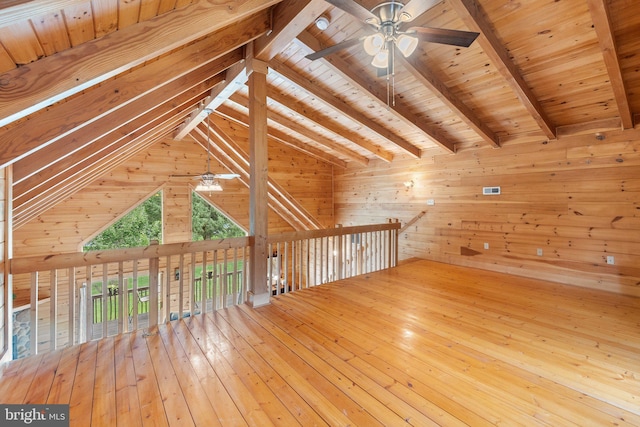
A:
[(388, 28), (209, 181)]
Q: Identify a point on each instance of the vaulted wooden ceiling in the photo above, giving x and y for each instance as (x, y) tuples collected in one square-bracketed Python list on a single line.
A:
[(85, 85)]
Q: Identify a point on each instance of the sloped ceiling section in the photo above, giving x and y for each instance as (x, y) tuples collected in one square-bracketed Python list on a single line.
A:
[(86, 85)]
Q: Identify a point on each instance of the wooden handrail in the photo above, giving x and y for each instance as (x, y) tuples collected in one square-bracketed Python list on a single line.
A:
[(329, 232), (82, 259)]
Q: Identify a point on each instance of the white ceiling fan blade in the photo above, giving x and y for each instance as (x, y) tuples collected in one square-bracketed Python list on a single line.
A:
[(415, 8), (226, 175)]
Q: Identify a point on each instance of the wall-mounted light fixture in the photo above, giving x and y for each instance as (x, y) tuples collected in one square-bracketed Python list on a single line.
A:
[(408, 184)]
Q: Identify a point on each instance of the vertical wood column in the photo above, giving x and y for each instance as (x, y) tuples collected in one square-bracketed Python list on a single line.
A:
[(258, 293), (6, 288)]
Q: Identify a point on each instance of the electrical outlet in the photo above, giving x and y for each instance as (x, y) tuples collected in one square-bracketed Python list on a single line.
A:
[(431, 202), (486, 246), (539, 252), (611, 260)]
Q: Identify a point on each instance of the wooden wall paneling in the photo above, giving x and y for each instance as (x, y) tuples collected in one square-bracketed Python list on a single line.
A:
[(79, 19), (52, 33), (105, 16), (128, 13), (22, 53), (574, 198), (176, 213)]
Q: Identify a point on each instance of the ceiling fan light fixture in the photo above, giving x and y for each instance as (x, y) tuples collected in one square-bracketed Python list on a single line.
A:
[(381, 60), (406, 44), (208, 186), (374, 43)]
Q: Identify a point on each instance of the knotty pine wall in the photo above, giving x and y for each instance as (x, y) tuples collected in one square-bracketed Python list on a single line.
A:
[(67, 226), (577, 199)]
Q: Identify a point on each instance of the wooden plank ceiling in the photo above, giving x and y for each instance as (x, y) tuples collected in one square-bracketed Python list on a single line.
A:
[(85, 85)]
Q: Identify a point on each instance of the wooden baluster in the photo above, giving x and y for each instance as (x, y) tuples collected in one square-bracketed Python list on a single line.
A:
[(122, 322), (88, 331), (203, 284), (71, 331), (214, 287), (225, 279), (53, 308), (33, 311), (180, 285), (285, 268), (105, 302), (134, 297), (154, 277), (166, 300), (191, 282)]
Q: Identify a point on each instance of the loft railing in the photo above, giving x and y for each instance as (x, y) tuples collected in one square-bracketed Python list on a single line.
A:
[(304, 259), (83, 296)]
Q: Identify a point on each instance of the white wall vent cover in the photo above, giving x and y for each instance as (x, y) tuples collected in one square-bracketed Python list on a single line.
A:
[(487, 191)]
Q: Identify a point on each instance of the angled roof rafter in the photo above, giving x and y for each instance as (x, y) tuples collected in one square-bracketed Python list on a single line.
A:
[(230, 114), (342, 107), (602, 23), (235, 77), (431, 82), (370, 87), (329, 125), (299, 129), (117, 117), (289, 18), (474, 18), (233, 157), (69, 72)]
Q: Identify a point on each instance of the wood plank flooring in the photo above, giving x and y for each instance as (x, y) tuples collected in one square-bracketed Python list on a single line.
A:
[(422, 344)]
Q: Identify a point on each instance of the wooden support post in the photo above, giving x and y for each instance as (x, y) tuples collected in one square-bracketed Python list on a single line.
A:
[(6, 309), (258, 218)]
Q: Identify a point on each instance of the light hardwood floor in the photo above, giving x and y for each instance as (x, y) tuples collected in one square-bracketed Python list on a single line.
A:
[(422, 344)]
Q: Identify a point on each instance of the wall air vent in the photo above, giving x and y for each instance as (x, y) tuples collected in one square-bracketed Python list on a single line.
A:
[(488, 191)]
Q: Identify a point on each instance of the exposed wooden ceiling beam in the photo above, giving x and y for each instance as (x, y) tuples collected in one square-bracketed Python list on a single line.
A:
[(474, 18), (325, 96), (283, 203), (326, 123), (604, 30), (35, 86), (64, 118), (589, 127), (400, 110), (227, 113), (235, 78), (74, 183), (119, 114), (298, 128), (60, 168), (289, 19), (422, 73)]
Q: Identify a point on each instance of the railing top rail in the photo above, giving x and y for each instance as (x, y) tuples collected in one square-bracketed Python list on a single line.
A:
[(328, 232), (80, 259)]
